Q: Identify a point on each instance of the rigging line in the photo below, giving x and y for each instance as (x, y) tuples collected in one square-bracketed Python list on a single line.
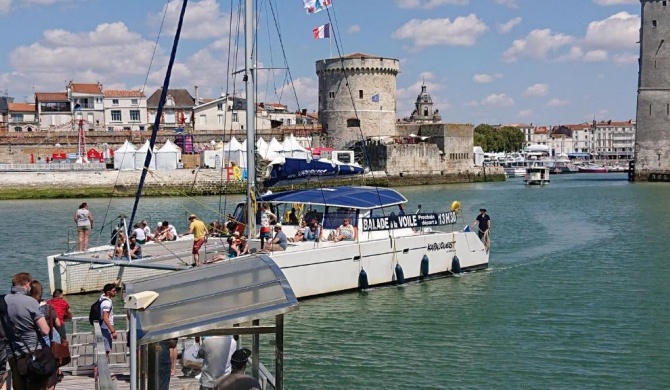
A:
[(153, 53), (146, 79), (353, 102), (274, 80), (159, 111)]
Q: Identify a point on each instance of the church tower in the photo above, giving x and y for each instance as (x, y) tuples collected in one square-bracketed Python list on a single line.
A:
[(423, 109), (652, 138)]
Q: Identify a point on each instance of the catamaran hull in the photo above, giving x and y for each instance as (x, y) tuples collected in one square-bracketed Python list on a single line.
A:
[(313, 269)]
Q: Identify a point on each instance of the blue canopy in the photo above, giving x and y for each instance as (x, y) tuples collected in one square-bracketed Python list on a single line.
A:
[(349, 197), (301, 170)]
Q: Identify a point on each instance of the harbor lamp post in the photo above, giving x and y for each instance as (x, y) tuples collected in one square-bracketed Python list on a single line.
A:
[(134, 302)]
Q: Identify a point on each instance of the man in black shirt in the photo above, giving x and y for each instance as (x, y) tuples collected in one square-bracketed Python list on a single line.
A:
[(483, 222)]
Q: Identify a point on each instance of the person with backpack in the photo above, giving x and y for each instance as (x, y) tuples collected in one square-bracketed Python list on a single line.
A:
[(102, 311)]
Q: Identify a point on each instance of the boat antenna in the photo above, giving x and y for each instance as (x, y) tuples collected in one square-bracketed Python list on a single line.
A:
[(159, 113)]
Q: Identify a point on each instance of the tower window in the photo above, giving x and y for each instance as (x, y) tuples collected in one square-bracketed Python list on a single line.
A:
[(653, 23), (650, 109), (353, 122), (331, 95), (360, 94), (665, 3)]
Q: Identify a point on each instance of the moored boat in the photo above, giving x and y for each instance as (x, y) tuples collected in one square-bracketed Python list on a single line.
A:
[(537, 175), (592, 168)]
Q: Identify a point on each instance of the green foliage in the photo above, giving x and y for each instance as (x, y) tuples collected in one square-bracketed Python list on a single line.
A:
[(501, 139)]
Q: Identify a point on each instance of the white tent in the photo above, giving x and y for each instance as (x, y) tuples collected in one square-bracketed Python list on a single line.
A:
[(124, 157), (141, 155), (478, 155), (168, 156), (261, 147), (233, 152), (292, 148), (233, 146), (274, 150)]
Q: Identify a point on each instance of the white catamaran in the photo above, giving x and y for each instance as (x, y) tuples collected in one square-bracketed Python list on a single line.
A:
[(388, 245)]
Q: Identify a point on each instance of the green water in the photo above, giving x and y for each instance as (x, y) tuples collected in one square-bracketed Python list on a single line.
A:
[(575, 296)]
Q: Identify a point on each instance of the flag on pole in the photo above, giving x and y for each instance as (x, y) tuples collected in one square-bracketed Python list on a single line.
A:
[(322, 32), (375, 98), (314, 6)]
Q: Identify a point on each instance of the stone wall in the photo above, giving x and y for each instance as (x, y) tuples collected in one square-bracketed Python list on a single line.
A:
[(340, 84), (652, 142)]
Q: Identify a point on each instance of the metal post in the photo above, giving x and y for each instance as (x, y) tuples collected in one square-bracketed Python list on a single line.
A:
[(279, 353), (255, 351), (133, 349), (251, 113), (152, 367)]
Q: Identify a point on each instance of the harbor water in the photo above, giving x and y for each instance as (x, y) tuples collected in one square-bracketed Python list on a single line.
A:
[(576, 295)]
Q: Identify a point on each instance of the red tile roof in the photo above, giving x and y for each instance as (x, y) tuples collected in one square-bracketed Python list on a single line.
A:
[(93, 89), (123, 93), (51, 96), (21, 107)]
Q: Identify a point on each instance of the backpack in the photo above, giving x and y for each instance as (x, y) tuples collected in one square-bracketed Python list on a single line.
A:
[(95, 314)]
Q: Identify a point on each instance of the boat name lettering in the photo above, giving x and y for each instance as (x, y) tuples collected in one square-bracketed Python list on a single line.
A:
[(440, 246), (408, 221)]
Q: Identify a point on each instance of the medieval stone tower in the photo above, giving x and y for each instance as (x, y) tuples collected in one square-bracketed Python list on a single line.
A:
[(357, 97), (652, 139)]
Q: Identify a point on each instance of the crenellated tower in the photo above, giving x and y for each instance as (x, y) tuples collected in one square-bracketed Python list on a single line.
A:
[(652, 141)]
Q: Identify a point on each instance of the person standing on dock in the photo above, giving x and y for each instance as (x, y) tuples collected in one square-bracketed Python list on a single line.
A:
[(237, 379), (107, 315), (199, 231), (84, 220), (216, 352)]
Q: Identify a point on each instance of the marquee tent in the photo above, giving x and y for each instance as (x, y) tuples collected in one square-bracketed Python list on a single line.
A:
[(124, 157), (141, 155), (167, 157)]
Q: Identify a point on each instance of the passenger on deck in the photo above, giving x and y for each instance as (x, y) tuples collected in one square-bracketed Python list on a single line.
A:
[(293, 217), (135, 249), (279, 243), (243, 246), (267, 217), (138, 233), (167, 232), (314, 231), (120, 246), (147, 230), (346, 231), (231, 225), (233, 250), (300, 233)]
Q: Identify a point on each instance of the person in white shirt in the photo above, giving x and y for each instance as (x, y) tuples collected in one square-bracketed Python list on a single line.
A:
[(139, 234)]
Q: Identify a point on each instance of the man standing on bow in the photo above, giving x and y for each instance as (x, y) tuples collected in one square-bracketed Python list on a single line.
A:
[(483, 222), (199, 231)]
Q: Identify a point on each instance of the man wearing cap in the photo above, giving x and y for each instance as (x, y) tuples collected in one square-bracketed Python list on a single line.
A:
[(106, 312), (279, 243), (215, 352), (483, 222), (237, 380), (199, 231)]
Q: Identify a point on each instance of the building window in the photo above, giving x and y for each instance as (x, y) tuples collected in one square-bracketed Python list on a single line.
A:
[(134, 115), (16, 118), (18, 129), (653, 23), (202, 120), (235, 118), (360, 94), (115, 102), (331, 95), (170, 101), (134, 102), (353, 122), (141, 128), (288, 121), (219, 107), (219, 119), (116, 115)]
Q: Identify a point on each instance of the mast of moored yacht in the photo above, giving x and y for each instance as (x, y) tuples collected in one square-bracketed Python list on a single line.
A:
[(251, 114)]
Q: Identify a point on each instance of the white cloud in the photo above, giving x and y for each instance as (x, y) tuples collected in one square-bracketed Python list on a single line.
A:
[(463, 31), (619, 31), (537, 90), (428, 4), (626, 58), (596, 56), (353, 29), (537, 44), (556, 102), (483, 78), (525, 113), (616, 2), (5, 6), (472, 103), (498, 100), (506, 27), (203, 20), (508, 3)]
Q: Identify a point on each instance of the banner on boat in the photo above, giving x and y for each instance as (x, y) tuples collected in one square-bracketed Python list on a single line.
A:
[(408, 221)]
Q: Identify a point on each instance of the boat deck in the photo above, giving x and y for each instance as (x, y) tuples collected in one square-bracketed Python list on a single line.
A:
[(123, 382)]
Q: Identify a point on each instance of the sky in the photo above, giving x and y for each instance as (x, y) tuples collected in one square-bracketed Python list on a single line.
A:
[(483, 61)]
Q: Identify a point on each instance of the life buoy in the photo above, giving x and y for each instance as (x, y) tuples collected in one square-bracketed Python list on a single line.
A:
[(237, 173)]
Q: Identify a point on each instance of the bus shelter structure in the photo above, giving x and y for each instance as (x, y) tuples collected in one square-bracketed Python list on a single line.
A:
[(228, 298)]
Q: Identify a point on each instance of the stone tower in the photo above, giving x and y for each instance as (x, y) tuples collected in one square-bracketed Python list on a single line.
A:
[(423, 109), (652, 139), (357, 97)]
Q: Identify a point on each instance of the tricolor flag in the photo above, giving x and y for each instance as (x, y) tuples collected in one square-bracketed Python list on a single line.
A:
[(314, 6), (375, 98), (322, 32)]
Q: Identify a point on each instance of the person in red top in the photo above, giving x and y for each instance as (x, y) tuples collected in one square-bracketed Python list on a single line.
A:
[(63, 311)]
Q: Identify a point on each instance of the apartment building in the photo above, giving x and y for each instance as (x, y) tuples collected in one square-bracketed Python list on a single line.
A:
[(125, 110)]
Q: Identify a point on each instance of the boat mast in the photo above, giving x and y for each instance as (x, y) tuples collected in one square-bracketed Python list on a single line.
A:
[(251, 114)]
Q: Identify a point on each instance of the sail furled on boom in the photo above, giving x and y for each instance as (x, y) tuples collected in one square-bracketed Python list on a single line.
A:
[(285, 170)]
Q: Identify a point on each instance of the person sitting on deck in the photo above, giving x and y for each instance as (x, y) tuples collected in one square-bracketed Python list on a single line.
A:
[(233, 250), (300, 233), (135, 249), (293, 217), (346, 231), (138, 233), (314, 231), (119, 247), (167, 232), (231, 225), (279, 243), (243, 246)]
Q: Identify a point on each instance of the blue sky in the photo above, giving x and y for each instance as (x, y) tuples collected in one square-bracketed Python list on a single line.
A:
[(484, 61)]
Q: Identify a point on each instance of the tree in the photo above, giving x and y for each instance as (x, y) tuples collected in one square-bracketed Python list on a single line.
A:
[(501, 139)]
